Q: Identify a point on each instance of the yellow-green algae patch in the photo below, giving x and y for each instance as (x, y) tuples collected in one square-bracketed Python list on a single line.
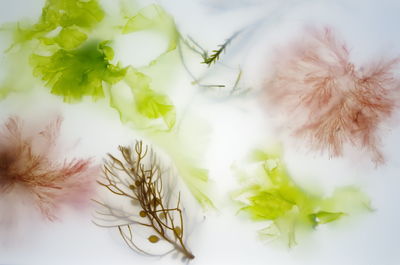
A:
[(73, 19), (77, 73), (270, 194)]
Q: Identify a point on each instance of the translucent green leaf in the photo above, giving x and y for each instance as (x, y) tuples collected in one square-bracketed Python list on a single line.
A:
[(153, 17), (323, 217), (141, 104), (107, 50), (187, 155), (72, 16), (69, 38), (271, 195), (78, 73), (153, 106), (197, 181), (266, 205)]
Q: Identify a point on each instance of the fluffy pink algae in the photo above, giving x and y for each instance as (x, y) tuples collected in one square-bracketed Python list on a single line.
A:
[(327, 100), (29, 163)]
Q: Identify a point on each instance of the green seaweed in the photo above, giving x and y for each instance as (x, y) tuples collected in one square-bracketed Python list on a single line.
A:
[(154, 18), (197, 180), (78, 73), (74, 65), (74, 18), (214, 56), (270, 194), (81, 66), (141, 104)]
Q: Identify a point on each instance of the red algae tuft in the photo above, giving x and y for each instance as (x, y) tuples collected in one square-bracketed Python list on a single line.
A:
[(326, 99), (30, 163)]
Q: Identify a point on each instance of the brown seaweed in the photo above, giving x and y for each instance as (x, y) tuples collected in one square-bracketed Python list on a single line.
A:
[(138, 177)]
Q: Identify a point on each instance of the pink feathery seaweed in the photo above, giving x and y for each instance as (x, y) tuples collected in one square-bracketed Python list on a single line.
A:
[(29, 162), (327, 100)]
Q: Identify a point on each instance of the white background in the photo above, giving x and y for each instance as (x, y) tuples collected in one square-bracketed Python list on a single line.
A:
[(238, 125)]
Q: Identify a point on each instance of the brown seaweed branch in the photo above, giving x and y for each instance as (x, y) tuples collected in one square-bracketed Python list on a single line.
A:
[(139, 178)]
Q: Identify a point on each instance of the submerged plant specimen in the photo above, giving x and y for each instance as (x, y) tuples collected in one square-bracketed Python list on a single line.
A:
[(139, 178), (74, 18), (328, 100), (270, 194), (209, 59), (78, 73), (154, 18), (146, 103), (87, 70), (66, 51), (142, 105), (30, 163)]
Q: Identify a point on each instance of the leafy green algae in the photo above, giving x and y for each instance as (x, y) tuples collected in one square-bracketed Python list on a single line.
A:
[(82, 66), (153, 17), (270, 194), (78, 73), (142, 105), (63, 26), (73, 18)]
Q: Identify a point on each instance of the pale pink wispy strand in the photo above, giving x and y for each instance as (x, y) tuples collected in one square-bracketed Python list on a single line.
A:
[(33, 164), (326, 99)]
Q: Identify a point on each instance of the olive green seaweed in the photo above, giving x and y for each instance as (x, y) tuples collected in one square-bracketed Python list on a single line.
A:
[(270, 194)]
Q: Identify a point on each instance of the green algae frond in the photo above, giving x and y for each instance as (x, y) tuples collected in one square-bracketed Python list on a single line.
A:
[(154, 18), (72, 18), (270, 194), (78, 73), (141, 104)]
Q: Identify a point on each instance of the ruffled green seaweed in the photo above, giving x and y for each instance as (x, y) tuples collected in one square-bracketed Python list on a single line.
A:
[(270, 194), (140, 104), (63, 22), (77, 73)]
